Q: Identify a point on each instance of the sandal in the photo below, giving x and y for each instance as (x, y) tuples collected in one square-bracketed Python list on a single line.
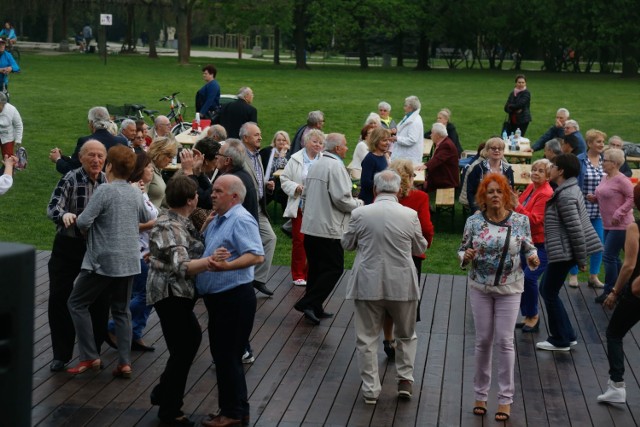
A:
[(504, 412), (480, 409)]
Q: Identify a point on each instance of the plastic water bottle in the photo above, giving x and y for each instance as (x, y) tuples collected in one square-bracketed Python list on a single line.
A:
[(518, 134), (504, 135), (512, 142)]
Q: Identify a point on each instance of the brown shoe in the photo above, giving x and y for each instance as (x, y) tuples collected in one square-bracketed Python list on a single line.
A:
[(220, 421)]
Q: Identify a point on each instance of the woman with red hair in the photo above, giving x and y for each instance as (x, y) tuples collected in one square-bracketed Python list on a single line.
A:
[(493, 242)]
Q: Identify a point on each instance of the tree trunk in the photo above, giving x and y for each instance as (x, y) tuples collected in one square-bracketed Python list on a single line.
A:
[(51, 20), (400, 50), (362, 51), (182, 18), (299, 17), (423, 52), (129, 45), (152, 31), (276, 47)]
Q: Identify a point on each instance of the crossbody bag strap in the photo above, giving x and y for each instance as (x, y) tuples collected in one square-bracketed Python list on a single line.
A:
[(503, 257)]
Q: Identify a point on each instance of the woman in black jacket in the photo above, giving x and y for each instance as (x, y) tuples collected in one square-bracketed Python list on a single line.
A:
[(518, 107)]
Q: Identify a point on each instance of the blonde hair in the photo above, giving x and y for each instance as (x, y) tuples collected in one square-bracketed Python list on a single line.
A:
[(377, 134), (487, 146), (285, 135), (162, 146), (404, 168), (547, 166)]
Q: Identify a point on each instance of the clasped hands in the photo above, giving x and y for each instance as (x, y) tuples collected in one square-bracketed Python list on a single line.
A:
[(217, 261)]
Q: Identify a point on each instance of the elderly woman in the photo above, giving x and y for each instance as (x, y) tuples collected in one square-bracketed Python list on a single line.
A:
[(409, 138), (10, 127), (174, 261), (162, 151), (444, 117), (495, 163), (275, 157), (552, 148), (569, 238), (292, 181), (624, 296), (518, 107), (532, 202), (494, 242), (614, 196), (111, 219), (591, 174), (355, 167), (384, 111), (616, 142), (375, 161), (419, 202), (142, 175)]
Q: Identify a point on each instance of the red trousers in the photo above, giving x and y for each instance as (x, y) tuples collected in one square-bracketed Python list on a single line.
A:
[(7, 149), (299, 267)]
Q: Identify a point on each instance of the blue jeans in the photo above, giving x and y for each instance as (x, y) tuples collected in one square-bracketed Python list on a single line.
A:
[(529, 300), (562, 332), (613, 244), (596, 259), (140, 311)]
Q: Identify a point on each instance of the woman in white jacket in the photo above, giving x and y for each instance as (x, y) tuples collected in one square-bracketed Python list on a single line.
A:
[(409, 139), (292, 183)]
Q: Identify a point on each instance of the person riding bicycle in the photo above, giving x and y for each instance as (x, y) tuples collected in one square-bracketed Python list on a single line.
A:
[(9, 33), (7, 65)]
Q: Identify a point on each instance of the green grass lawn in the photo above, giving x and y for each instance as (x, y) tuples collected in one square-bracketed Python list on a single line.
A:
[(54, 92)]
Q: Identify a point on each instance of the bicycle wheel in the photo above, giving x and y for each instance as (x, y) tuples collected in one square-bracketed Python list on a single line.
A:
[(180, 127), (16, 54)]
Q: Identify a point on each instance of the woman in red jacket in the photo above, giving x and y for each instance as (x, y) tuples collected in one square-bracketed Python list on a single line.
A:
[(532, 203)]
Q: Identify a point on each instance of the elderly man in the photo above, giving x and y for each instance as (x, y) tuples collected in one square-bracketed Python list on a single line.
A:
[(230, 161), (69, 199), (552, 148), (217, 133), (571, 127), (128, 131), (233, 238), (555, 131), (10, 126), (161, 127), (234, 114), (327, 204), (384, 280), (616, 142), (98, 121), (251, 138), (441, 171), (315, 120), (409, 138)]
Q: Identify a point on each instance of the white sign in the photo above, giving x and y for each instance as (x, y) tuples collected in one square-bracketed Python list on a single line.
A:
[(105, 19)]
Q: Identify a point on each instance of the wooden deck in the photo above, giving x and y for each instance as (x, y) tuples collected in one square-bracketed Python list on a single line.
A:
[(307, 376)]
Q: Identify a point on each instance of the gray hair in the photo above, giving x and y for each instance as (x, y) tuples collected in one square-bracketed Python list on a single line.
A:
[(439, 128), (563, 111), (373, 118), (616, 138), (385, 105), (616, 155), (554, 145), (236, 186), (235, 151), (3, 98), (572, 123), (217, 132), (387, 181), (315, 117), (158, 119), (112, 128), (243, 92), (99, 117), (332, 141), (243, 129), (413, 102), (313, 132), (126, 123)]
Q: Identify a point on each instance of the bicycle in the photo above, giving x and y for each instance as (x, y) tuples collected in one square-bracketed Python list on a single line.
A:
[(175, 114)]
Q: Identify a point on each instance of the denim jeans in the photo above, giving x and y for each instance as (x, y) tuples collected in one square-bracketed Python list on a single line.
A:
[(529, 301), (562, 332), (624, 317), (140, 311), (596, 259), (613, 244)]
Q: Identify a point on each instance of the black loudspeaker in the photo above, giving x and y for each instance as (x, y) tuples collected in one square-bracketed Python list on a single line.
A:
[(17, 277)]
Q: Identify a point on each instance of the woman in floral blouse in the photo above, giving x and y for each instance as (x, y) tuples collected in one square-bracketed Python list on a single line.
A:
[(493, 241), (175, 250)]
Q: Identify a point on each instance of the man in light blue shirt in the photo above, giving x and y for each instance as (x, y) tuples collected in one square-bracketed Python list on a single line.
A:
[(233, 238)]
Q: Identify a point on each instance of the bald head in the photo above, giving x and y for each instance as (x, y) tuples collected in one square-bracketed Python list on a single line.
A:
[(92, 157), (228, 191)]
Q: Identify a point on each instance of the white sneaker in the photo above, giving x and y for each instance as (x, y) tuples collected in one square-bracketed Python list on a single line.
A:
[(572, 343), (616, 393), (300, 282), (247, 357), (546, 345)]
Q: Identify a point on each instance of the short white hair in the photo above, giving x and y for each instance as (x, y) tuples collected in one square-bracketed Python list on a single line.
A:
[(373, 118), (439, 128), (572, 123), (563, 111), (385, 105), (413, 102)]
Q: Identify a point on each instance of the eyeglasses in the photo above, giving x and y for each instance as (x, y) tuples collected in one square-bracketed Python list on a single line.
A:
[(496, 148), (221, 155), (607, 160)]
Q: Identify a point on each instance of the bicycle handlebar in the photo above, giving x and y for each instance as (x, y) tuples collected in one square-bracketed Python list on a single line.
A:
[(169, 97)]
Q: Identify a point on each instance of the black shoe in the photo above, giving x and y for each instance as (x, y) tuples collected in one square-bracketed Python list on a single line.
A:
[(600, 298), (140, 346), (519, 325), (261, 287), (311, 316), (534, 328), (324, 315), (179, 421), (57, 366), (389, 350)]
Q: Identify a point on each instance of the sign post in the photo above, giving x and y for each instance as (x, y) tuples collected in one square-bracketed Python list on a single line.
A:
[(106, 19)]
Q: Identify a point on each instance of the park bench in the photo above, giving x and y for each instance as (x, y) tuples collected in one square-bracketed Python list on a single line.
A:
[(445, 202)]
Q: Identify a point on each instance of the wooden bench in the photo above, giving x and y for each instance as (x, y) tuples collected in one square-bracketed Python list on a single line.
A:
[(445, 201)]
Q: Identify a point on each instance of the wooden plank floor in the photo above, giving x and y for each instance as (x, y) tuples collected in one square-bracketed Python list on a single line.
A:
[(307, 376)]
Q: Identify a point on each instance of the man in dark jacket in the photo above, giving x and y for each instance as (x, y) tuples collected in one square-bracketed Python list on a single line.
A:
[(442, 169), (98, 121), (236, 113)]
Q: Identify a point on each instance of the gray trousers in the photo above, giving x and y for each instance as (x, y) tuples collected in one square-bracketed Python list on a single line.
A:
[(269, 239), (87, 288)]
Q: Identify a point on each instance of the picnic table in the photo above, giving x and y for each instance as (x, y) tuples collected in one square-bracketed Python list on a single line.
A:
[(190, 136)]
